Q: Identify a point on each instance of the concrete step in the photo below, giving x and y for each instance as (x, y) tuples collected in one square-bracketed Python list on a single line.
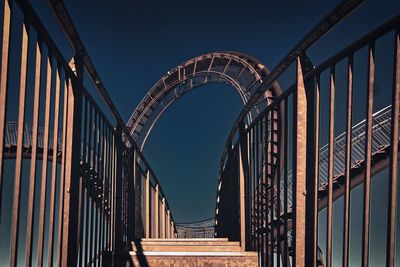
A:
[(185, 242), (166, 240), (186, 248), (200, 259), (188, 252)]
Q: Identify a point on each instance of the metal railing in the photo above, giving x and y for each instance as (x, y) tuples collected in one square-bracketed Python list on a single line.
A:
[(255, 165), (91, 202)]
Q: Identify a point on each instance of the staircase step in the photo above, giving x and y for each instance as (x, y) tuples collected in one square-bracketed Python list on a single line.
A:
[(187, 242), (188, 252), (187, 248), (184, 239), (201, 259)]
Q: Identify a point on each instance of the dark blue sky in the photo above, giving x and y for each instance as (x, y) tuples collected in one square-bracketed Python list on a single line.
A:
[(134, 43)]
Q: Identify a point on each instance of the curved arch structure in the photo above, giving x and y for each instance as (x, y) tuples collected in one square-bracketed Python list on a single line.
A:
[(243, 72)]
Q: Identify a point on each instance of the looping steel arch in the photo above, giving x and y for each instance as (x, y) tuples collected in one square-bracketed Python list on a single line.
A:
[(245, 73)]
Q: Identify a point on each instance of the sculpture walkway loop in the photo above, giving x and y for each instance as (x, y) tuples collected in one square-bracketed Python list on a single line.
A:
[(76, 189)]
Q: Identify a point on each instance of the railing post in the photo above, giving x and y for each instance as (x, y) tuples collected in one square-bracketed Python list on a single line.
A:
[(168, 231), (72, 201), (162, 234), (299, 178), (172, 230), (118, 242), (312, 98), (157, 212), (243, 185), (147, 205), (131, 196)]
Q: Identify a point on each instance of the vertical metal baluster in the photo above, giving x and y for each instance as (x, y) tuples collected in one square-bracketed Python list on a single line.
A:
[(82, 178), (242, 190), (91, 186), (278, 190), (300, 152), (262, 170), (273, 183), (72, 173), (346, 211), (87, 182), (258, 180), (330, 167), (312, 96), (156, 212), (285, 254), (3, 82), (147, 205), (368, 155), (103, 185), (99, 177), (316, 171), (267, 183), (18, 159), (32, 174), (253, 191), (394, 144), (109, 187), (54, 170), (44, 164), (62, 169), (112, 215)]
